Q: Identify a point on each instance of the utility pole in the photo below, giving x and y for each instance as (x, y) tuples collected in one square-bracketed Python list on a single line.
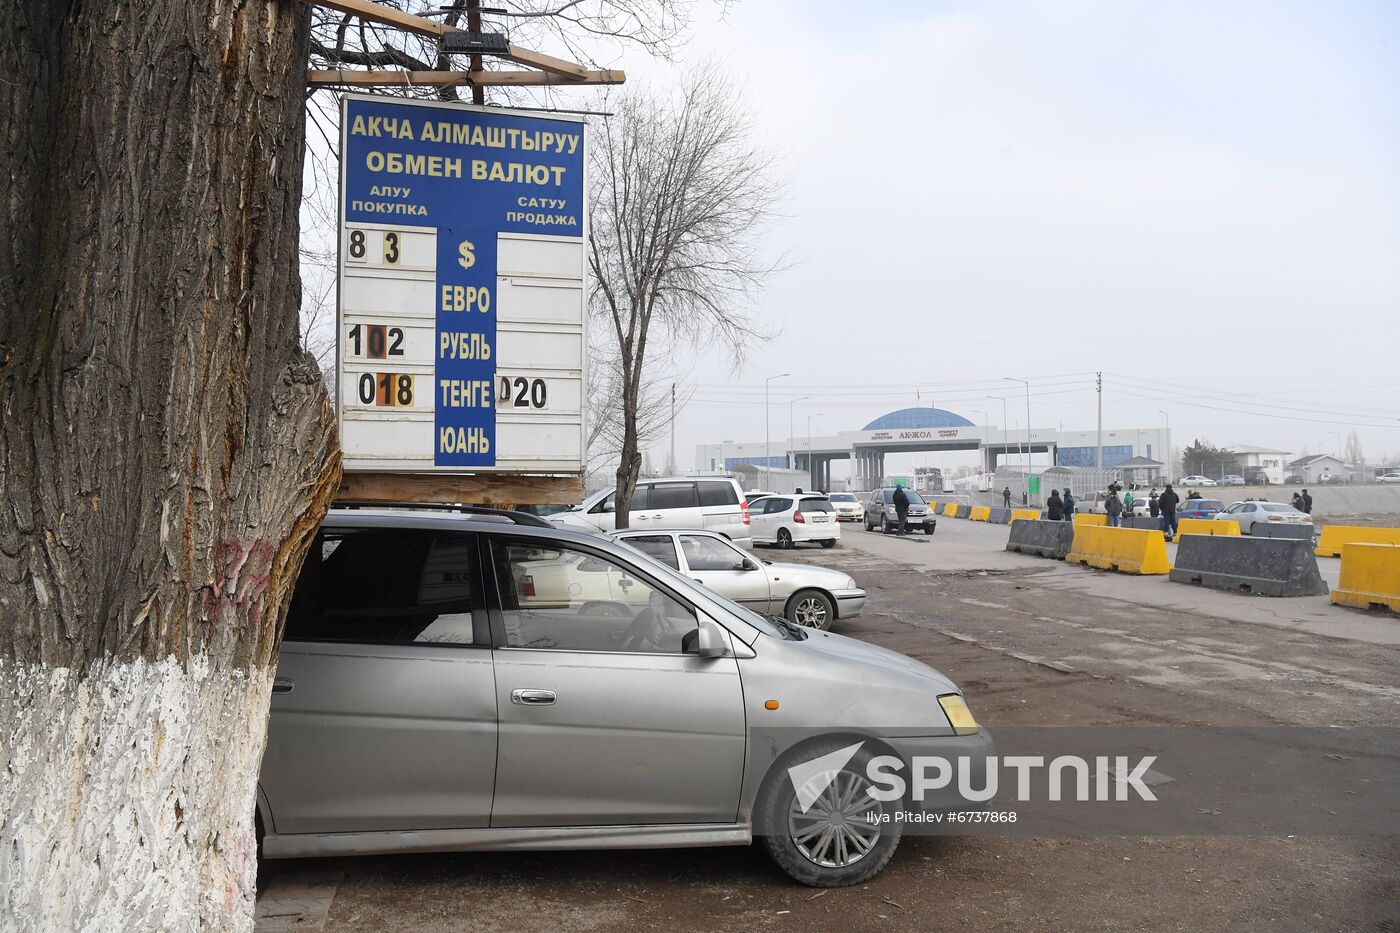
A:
[(1027, 384), (791, 451), (809, 449), (1098, 447), (474, 27), (767, 436), (673, 469)]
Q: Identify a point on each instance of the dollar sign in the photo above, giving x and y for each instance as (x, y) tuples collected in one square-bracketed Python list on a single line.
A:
[(467, 254)]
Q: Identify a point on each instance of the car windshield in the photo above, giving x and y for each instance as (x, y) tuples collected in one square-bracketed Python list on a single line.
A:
[(914, 497), (842, 497), (1209, 504), (815, 504), (762, 623)]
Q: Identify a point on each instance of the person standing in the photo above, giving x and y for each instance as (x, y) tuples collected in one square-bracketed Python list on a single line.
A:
[(1069, 505), (1307, 502), (1152, 508), (1114, 507), (1055, 507), (1167, 502), (901, 507), (1128, 500), (1006, 497)]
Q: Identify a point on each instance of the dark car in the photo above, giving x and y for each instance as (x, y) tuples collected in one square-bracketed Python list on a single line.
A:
[(880, 511), (1200, 508)]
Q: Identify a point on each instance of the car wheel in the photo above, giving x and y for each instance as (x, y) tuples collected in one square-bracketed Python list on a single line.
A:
[(886, 527), (843, 837), (928, 529), (784, 538), (811, 609), (829, 542), (868, 526)]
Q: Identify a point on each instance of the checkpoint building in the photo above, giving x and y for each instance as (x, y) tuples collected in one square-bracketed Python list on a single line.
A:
[(931, 430)]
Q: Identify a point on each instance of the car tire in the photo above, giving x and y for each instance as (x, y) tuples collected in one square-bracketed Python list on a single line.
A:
[(886, 527), (866, 523), (810, 609), (787, 830), (829, 542), (785, 538), (928, 529)]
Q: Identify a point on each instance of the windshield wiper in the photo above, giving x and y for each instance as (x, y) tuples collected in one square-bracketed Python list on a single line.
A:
[(797, 632)]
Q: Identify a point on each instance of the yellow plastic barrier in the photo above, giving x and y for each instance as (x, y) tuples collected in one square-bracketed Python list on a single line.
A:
[(950, 509), (1090, 518), (1207, 526), (980, 513), (1334, 537), (1370, 576), (1031, 514), (1127, 550)]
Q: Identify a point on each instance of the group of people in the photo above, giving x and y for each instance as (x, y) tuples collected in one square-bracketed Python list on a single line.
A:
[(1060, 508), (1303, 502)]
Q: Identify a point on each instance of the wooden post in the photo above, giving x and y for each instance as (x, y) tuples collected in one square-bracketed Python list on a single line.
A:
[(474, 26), (476, 489)]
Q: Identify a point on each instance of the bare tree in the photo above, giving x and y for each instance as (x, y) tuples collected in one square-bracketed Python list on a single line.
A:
[(1354, 455), (679, 193)]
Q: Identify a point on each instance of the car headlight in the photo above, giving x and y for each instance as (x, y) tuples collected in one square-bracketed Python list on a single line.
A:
[(959, 716)]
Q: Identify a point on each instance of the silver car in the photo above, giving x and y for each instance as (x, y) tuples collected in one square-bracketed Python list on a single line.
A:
[(447, 684), (1246, 514), (810, 596)]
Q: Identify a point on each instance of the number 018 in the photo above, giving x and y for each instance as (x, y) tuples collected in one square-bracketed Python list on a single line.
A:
[(386, 390)]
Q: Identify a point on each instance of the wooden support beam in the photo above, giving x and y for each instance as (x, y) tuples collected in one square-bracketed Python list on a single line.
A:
[(388, 16), (477, 489), (361, 78), (547, 63)]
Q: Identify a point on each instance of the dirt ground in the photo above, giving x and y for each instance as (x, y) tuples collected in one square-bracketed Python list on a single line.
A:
[(1025, 655)]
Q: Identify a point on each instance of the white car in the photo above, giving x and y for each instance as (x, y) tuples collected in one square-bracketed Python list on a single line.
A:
[(1246, 514), (810, 596), (1388, 478), (1196, 481), (790, 520), (848, 507), (711, 503)]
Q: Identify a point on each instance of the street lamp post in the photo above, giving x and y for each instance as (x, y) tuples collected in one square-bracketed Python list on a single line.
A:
[(985, 428), (1026, 383), (792, 454), (767, 442), (1004, 422), (809, 448)]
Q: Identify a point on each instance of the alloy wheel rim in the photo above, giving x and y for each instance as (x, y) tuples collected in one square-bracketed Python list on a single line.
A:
[(842, 826), (810, 612)]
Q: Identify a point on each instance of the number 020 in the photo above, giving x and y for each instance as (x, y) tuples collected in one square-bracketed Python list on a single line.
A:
[(521, 392)]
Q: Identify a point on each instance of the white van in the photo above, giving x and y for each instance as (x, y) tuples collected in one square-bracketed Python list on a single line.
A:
[(714, 503)]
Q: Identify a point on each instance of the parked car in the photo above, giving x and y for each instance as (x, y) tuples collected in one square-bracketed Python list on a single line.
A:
[(1294, 478), (1247, 514), (1199, 508), (714, 503), (421, 703), (1388, 478), (788, 521), (1196, 480), (1258, 476), (880, 512), (802, 593), (848, 507), (1333, 479), (1231, 480)]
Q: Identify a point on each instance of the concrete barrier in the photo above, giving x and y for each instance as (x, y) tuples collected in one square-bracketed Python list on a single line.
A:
[(1297, 532), (1090, 518), (1044, 539), (950, 509), (1262, 566), (980, 513), (1142, 521), (1127, 550), (999, 516), (963, 511), (1370, 576), (1334, 537), (1032, 515), (1207, 526)]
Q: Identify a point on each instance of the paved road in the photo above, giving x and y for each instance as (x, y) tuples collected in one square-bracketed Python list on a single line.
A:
[(1033, 643)]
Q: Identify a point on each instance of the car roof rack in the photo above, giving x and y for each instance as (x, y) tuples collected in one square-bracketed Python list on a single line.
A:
[(520, 518)]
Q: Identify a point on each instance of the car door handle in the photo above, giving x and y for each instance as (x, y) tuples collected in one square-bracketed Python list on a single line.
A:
[(283, 685), (657, 515), (528, 697)]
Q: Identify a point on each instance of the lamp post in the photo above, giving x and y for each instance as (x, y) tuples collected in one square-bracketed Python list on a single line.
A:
[(792, 454), (985, 428), (809, 449), (767, 443), (1002, 399), (1026, 383)]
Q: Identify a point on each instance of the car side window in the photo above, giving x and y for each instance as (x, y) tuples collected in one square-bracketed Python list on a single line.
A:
[(706, 553), (641, 498), (673, 496), (718, 494), (563, 599), (386, 586), (658, 547), (1250, 507), (607, 504), (776, 504)]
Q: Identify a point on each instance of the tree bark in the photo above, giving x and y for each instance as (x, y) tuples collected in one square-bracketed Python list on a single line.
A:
[(166, 449)]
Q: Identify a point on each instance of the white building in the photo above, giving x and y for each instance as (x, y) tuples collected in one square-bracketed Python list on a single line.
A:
[(1272, 463), (1312, 469)]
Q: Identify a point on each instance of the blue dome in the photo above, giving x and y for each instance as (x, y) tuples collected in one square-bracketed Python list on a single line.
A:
[(918, 418)]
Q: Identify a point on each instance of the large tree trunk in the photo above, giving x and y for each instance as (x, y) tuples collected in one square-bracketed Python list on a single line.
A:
[(166, 450)]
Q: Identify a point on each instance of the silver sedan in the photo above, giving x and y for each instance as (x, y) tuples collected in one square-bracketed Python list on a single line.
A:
[(814, 597)]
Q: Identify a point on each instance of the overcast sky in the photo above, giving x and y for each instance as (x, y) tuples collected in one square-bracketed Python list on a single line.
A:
[(1202, 200)]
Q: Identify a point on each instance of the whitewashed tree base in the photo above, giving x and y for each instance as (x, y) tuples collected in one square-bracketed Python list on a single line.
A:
[(127, 795)]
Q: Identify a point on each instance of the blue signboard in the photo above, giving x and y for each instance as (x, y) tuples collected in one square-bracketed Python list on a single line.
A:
[(466, 176)]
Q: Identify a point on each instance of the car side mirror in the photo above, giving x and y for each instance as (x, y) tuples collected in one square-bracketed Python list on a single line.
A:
[(705, 640), (746, 565)]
